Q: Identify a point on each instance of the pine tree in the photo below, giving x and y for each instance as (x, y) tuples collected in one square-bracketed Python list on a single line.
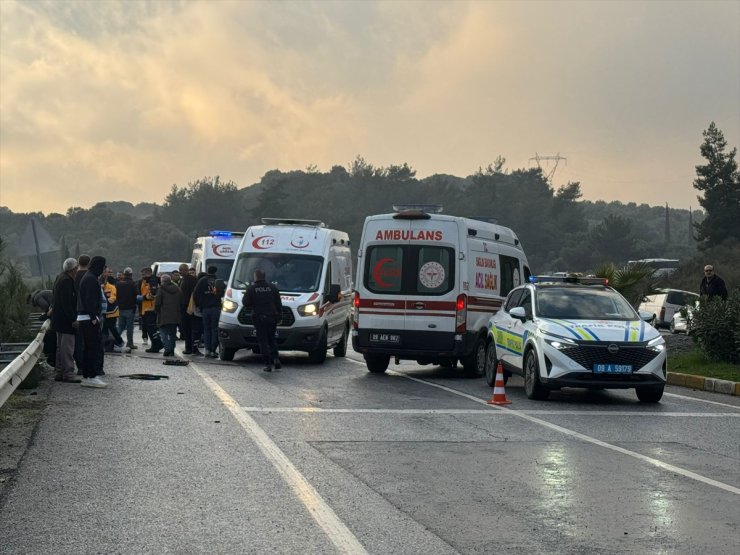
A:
[(719, 180)]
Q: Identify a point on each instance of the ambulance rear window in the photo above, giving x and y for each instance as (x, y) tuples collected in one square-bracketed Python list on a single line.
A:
[(410, 269)]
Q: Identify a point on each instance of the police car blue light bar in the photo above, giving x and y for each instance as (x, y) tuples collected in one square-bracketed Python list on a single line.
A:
[(569, 279)]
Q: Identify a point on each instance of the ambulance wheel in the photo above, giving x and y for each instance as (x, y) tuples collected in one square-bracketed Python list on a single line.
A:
[(377, 364), (532, 385), (491, 364), (319, 355), (340, 349), (226, 353), (475, 363)]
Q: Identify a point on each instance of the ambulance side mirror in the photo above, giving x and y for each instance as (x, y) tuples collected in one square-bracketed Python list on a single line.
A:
[(335, 293)]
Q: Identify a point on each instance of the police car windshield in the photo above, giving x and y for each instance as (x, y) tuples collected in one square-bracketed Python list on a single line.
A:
[(582, 303), (291, 273)]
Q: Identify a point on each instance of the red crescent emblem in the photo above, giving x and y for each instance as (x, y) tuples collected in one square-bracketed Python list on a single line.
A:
[(378, 275), (263, 242)]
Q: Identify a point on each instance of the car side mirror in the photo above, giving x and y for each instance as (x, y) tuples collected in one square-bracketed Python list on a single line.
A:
[(645, 315), (335, 292), (519, 313)]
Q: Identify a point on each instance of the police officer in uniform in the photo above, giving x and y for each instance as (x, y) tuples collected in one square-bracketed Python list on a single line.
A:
[(264, 299)]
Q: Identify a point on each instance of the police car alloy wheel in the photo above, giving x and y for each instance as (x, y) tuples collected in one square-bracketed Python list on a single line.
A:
[(532, 386), (491, 363)]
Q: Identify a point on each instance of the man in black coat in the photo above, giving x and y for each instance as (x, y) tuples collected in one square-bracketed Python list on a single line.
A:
[(187, 286), (712, 285), (64, 320), (89, 317), (264, 300), (207, 295)]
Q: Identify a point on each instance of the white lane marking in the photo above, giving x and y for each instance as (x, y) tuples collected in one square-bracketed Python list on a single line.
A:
[(341, 536), (584, 437), (701, 400), (491, 413), (665, 394)]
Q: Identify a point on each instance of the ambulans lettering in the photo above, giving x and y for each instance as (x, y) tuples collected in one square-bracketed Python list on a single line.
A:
[(263, 242), (408, 235)]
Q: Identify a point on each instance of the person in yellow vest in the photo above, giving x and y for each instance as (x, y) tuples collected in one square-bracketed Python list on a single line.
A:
[(111, 312), (148, 287)]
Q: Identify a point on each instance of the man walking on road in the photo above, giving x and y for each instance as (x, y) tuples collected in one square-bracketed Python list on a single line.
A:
[(264, 300), (64, 320), (712, 285), (89, 318), (207, 295)]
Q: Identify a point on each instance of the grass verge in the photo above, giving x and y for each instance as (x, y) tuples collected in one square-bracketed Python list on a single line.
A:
[(696, 363)]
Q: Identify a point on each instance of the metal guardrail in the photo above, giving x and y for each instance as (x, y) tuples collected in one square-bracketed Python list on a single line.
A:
[(14, 373)]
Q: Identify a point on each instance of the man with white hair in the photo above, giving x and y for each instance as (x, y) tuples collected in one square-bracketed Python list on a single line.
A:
[(64, 321)]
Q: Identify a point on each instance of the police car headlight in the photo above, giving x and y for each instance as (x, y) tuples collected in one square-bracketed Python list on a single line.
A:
[(559, 343), (657, 345), (309, 309), (229, 306)]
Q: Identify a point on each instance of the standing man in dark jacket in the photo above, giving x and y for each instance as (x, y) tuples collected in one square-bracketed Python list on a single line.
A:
[(89, 316), (64, 320), (82, 263), (126, 296), (207, 296), (168, 307), (712, 285), (187, 286), (264, 300)]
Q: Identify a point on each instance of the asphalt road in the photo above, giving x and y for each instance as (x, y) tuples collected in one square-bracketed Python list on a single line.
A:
[(224, 458)]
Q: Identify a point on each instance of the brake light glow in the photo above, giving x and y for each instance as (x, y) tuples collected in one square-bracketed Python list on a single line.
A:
[(356, 313), (461, 313)]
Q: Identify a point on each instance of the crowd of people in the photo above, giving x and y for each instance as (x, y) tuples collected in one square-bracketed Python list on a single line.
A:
[(91, 307)]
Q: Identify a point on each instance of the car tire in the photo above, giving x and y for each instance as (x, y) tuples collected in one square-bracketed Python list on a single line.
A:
[(318, 355), (226, 353), (533, 388), (340, 349), (377, 364), (491, 363), (474, 364), (649, 394)]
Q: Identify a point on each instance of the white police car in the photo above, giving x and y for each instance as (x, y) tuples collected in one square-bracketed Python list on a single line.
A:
[(575, 332)]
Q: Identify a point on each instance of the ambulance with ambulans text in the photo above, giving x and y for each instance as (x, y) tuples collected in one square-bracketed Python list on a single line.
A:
[(312, 267), (217, 249), (428, 283)]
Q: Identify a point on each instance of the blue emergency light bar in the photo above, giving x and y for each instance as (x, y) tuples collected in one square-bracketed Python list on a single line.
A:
[(220, 233), (569, 279)]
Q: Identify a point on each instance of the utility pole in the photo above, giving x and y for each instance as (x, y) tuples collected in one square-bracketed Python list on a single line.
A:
[(667, 226), (557, 158), (38, 251)]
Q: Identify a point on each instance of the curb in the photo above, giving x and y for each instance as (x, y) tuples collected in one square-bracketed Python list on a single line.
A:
[(715, 385)]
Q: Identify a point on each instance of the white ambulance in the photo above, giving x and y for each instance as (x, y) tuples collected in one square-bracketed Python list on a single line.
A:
[(312, 267), (218, 249), (428, 283)]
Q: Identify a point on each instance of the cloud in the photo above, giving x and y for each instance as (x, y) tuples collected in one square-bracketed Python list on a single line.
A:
[(119, 100)]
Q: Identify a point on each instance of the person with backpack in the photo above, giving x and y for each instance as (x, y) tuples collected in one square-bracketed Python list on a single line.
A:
[(208, 293)]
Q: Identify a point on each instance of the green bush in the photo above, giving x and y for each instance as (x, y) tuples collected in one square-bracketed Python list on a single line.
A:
[(13, 308), (716, 327)]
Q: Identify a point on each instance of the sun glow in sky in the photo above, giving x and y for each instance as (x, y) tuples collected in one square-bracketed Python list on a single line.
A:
[(114, 100)]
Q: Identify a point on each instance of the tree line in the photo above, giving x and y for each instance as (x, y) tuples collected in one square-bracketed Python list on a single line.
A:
[(558, 229)]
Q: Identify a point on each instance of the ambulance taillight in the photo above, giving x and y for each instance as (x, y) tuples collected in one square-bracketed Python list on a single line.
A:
[(356, 304), (461, 313)]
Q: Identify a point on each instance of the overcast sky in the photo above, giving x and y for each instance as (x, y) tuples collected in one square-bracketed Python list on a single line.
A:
[(120, 100)]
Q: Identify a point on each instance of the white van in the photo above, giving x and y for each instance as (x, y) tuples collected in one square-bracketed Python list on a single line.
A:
[(427, 284), (159, 268), (662, 305), (217, 249), (312, 267)]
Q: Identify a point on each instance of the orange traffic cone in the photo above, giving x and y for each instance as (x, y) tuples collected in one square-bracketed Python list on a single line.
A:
[(499, 393)]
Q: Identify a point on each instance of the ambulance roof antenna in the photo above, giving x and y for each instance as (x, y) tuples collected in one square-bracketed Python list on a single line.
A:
[(557, 158)]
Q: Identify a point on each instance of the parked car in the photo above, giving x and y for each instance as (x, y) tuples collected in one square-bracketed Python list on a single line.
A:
[(681, 323), (575, 332), (665, 303)]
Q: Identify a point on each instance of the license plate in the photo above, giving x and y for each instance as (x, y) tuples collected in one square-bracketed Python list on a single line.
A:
[(254, 333), (612, 368), (385, 338)]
